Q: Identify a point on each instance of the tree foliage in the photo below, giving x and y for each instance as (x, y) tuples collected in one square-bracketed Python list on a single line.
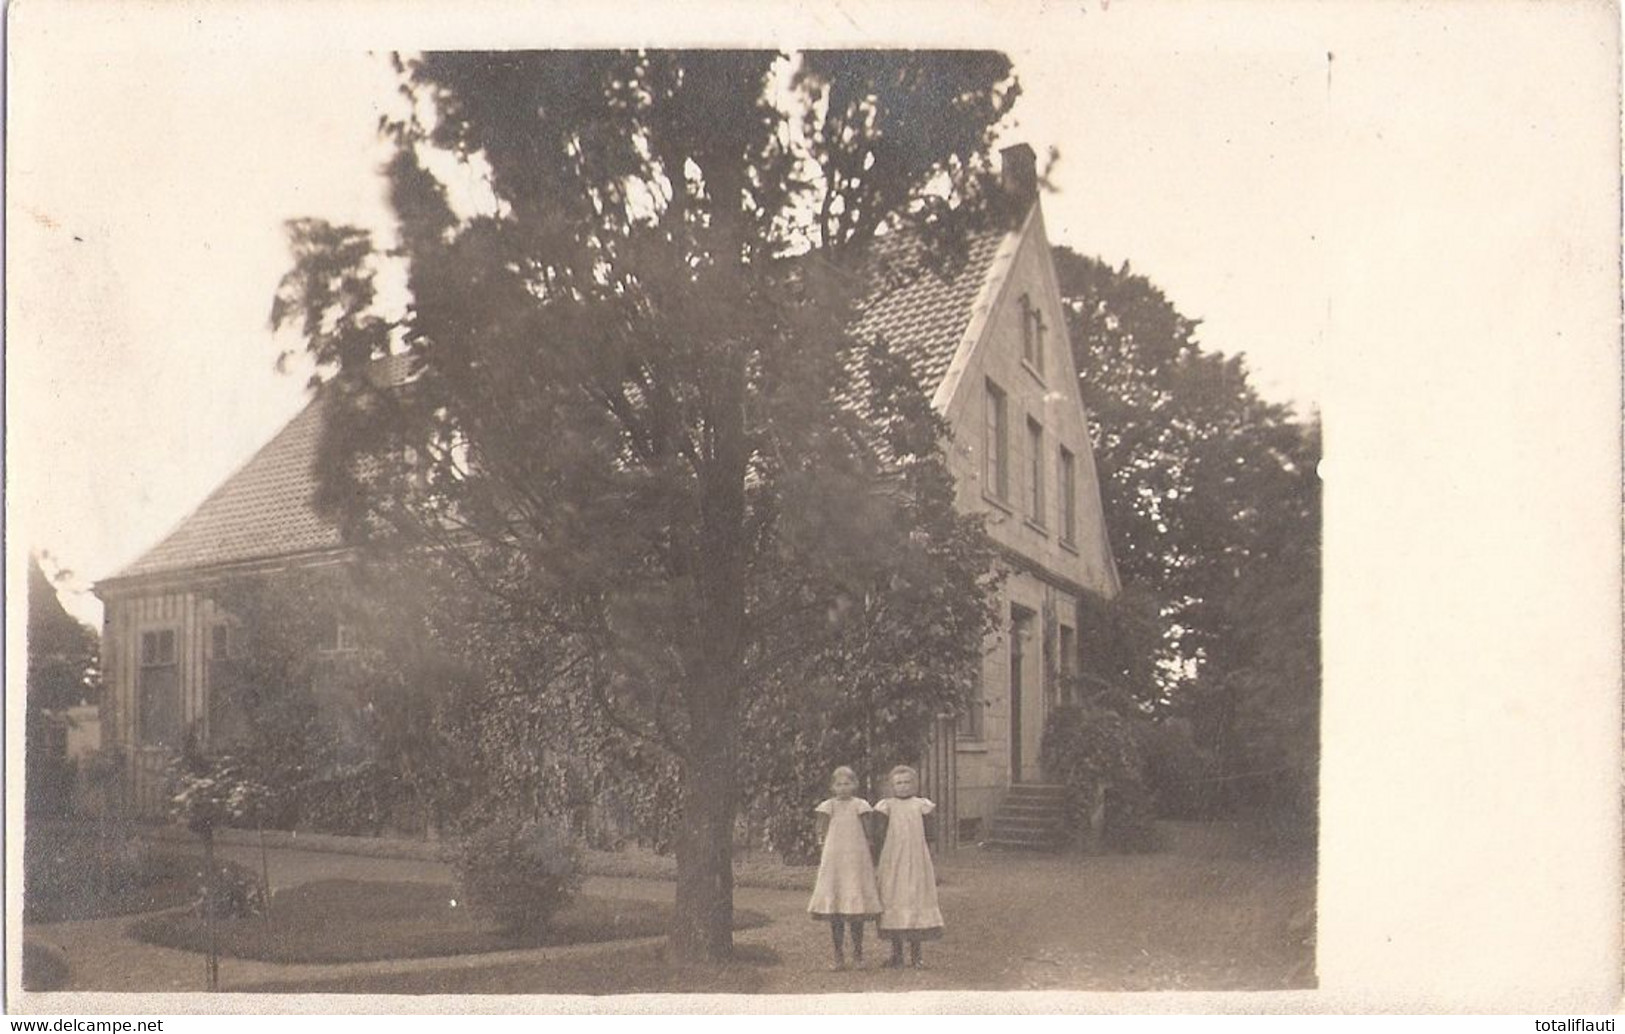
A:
[(64, 653), (1212, 498), (345, 736), (633, 437), (64, 670)]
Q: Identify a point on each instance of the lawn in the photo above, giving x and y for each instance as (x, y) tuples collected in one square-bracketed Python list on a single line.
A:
[(331, 921), (77, 874)]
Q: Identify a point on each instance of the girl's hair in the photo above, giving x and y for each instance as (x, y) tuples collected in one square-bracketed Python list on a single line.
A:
[(904, 768), (843, 771)]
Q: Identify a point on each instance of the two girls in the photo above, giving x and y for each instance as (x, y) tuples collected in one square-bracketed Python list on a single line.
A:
[(900, 892)]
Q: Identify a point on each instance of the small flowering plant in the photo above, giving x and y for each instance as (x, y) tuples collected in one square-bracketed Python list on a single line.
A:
[(210, 792)]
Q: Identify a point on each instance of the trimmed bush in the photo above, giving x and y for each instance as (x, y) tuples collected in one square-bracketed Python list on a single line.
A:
[(519, 874)]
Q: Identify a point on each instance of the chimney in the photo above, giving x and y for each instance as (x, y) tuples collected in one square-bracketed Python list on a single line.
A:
[(1018, 172)]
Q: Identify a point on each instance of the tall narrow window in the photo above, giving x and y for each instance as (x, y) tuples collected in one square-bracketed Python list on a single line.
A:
[(996, 450), (1067, 485), (1035, 471), (158, 690), (220, 642), (228, 718), (972, 722), (1032, 334), (1067, 664)]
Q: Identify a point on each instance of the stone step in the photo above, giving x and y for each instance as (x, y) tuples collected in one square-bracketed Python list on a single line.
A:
[(1004, 820), (1032, 817), (1034, 807), (1025, 843), (1030, 791)]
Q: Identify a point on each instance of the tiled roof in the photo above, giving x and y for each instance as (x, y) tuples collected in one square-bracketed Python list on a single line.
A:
[(922, 311), (267, 509)]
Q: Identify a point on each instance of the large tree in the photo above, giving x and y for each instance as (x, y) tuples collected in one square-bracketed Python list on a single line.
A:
[(633, 435), (1212, 498)]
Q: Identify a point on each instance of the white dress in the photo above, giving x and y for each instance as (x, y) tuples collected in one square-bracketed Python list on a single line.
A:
[(908, 880), (846, 873)]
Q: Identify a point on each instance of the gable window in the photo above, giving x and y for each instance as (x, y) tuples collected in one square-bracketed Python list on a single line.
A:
[(158, 690), (1067, 486), (996, 450), (1032, 334), (1035, 471)]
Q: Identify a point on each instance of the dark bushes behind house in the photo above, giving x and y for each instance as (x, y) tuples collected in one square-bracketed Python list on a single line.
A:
[(1093, 752)]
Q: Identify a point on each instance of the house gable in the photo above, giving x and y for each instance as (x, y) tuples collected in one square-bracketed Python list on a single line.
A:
[(1040, 407)]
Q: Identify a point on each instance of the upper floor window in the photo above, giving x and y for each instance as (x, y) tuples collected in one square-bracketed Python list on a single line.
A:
[(1035, 472), (996, 451), (158, 690), (1067, 485), (1033, 330)]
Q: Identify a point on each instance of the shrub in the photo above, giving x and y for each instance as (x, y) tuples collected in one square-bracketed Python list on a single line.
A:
[(1182, 776), (1131, 819), (355, 801), (519, 874), (1091, 750), (237, 893)]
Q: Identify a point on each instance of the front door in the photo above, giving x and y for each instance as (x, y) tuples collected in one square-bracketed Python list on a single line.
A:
[(1021, 622)]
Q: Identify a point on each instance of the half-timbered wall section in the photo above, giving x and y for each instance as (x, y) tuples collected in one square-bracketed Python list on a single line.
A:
[(156, 650)]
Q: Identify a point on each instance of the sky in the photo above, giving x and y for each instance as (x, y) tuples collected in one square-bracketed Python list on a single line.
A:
[(1404, 212)]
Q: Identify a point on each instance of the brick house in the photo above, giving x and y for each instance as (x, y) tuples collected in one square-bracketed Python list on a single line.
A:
[(989, 343)]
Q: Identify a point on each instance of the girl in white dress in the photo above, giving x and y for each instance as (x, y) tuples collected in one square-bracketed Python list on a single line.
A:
[(845, 894), (908, 880)]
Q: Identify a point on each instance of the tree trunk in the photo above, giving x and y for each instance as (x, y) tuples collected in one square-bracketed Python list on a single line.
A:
[(702, 926)]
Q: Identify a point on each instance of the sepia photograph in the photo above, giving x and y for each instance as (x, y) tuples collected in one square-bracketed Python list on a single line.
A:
[(545, 514)]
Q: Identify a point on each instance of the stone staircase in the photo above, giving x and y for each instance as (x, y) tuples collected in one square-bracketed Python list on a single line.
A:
[(1032, 818)]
